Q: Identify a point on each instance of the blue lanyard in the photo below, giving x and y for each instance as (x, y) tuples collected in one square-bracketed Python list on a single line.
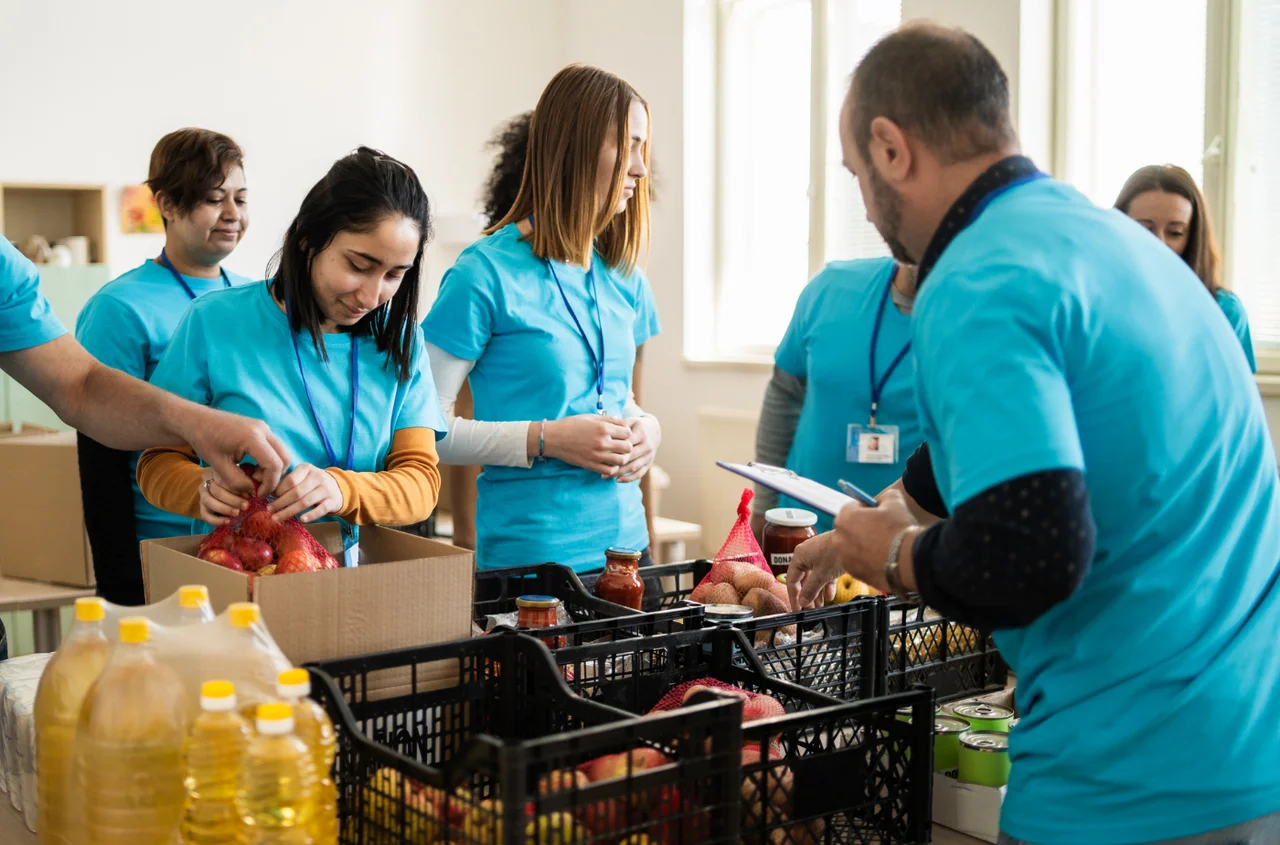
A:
[(598, 363), (164, 262), (877, 387), (349, 463)]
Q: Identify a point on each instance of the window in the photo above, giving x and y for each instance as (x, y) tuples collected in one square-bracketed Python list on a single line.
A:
[(779, 203), (1252, 209), (1134, 90)]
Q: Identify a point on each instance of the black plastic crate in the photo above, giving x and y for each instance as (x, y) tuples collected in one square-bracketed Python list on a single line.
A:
[(834, 650), (836, 772), (476, 741), (921, 647), (593, 619)]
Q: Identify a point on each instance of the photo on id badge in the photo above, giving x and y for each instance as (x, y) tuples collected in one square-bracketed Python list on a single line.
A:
[(872, 444)]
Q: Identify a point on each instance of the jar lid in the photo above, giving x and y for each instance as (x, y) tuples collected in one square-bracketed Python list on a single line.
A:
[(537, 601), (622, 554), (791, 517), (727, 612)]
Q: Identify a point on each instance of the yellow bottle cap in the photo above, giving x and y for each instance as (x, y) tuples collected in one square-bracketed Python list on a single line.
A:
[(275, 711), (135, 629), (193, 596), (91, 609), (242, 614), (293, 677), (217, 689)]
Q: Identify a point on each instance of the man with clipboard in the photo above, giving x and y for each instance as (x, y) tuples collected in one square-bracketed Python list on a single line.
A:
[(1099, 480)]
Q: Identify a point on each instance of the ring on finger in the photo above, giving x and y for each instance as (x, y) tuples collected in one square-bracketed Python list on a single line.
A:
[(208, 482)]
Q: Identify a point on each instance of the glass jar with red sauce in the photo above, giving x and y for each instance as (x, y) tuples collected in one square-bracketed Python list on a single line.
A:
[(785, 528), (620, 582), (540, 612)]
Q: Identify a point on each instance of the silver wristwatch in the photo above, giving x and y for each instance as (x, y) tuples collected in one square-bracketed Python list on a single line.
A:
[(891, 565)]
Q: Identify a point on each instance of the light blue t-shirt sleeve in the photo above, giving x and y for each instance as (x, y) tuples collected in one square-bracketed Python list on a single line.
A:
[(112, 333), (647, 323), (790, 356), (1233, 308), (996, 393), (184, 368), (26, 318), (462, 318), (420, 407)]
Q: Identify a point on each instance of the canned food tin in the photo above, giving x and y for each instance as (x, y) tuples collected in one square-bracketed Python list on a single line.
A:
[(984, 758), (946, 742), (984, 717), (904, 713), (716, 613)]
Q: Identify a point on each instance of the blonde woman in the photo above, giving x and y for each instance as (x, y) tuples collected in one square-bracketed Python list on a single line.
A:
[(544, 317)]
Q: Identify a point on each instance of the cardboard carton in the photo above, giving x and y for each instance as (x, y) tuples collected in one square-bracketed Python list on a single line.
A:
[(967, 807), (42, 535), (408, 591)]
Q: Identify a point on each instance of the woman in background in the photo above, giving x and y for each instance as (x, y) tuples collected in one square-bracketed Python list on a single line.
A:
[(325, 351), (544, 317), (841, 403), (1165, 199), (198, 180)]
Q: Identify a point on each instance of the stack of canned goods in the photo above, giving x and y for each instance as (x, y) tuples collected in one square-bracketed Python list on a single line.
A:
[(972, 743)]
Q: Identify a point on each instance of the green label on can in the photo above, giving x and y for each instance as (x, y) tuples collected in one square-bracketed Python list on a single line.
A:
[(984, 758)]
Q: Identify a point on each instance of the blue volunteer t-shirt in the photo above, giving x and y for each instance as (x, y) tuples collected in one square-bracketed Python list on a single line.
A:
[(1053, 334), (127, 325), (828, 343), (26, 318), (232, 351), (1233, 308), (499, 306)]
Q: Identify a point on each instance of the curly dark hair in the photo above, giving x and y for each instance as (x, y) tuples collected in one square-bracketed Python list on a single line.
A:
[(511, 143)]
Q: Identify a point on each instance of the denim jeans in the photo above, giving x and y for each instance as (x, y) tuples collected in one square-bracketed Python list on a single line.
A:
[(1264, 830)]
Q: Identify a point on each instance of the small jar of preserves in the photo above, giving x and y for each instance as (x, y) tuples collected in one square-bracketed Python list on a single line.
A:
[(620, 582), (785, 528), (540, 612)]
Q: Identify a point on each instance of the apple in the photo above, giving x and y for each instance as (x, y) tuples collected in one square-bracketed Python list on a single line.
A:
[(254, 554), (483, 825), (223, 558), (296, 561), (259, 526)]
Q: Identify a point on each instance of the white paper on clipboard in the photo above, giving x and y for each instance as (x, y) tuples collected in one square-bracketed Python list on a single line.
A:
[(785, 481)]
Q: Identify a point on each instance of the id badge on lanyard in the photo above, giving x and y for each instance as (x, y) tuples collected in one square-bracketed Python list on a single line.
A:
[(873, 443)]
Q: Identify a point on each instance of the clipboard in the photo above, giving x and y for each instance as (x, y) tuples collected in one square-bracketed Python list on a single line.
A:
[(805, 490)]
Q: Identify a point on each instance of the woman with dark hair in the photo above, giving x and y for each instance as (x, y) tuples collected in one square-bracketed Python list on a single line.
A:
[(197, 177), (1166, 201), (544, 317), (325, 351)]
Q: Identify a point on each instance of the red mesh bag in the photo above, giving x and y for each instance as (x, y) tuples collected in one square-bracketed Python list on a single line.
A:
[(253, 542), (740, 567)]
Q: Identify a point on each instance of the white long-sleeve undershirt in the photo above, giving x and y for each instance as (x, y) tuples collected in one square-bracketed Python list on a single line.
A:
[(472, 442)]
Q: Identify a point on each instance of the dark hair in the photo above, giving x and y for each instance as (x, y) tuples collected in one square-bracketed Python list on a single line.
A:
[(941, 85), (1201, 251), (189, 163), (359, 192), (512, 144)]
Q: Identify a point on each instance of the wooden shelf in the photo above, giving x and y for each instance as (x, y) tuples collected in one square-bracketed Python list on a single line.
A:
[(55, 211)]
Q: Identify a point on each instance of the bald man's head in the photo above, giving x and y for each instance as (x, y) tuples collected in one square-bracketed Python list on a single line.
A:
[(941, 85)]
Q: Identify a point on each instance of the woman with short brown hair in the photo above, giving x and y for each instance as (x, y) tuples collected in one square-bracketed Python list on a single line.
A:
[(544, 317)]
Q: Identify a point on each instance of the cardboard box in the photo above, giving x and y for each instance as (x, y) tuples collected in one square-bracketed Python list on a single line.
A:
[(408, 591), (967, 807), (42, 535)]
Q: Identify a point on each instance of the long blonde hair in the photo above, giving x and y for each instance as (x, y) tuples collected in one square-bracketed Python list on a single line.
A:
[(579, 106)]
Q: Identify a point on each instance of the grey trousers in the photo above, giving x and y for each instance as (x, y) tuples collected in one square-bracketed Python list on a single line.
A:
[(1260, 831)]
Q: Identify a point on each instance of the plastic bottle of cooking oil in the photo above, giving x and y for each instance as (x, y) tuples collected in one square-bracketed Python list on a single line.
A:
[(193, 604), (129, 746), (313, 727), (276, 795), (214, 753), (253, 660), (66, 680)]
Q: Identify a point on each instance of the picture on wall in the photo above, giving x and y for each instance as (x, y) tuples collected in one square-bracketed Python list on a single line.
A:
[(139, 214)]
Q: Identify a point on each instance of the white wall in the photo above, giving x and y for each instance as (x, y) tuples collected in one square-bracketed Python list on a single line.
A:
[(90, 87)]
